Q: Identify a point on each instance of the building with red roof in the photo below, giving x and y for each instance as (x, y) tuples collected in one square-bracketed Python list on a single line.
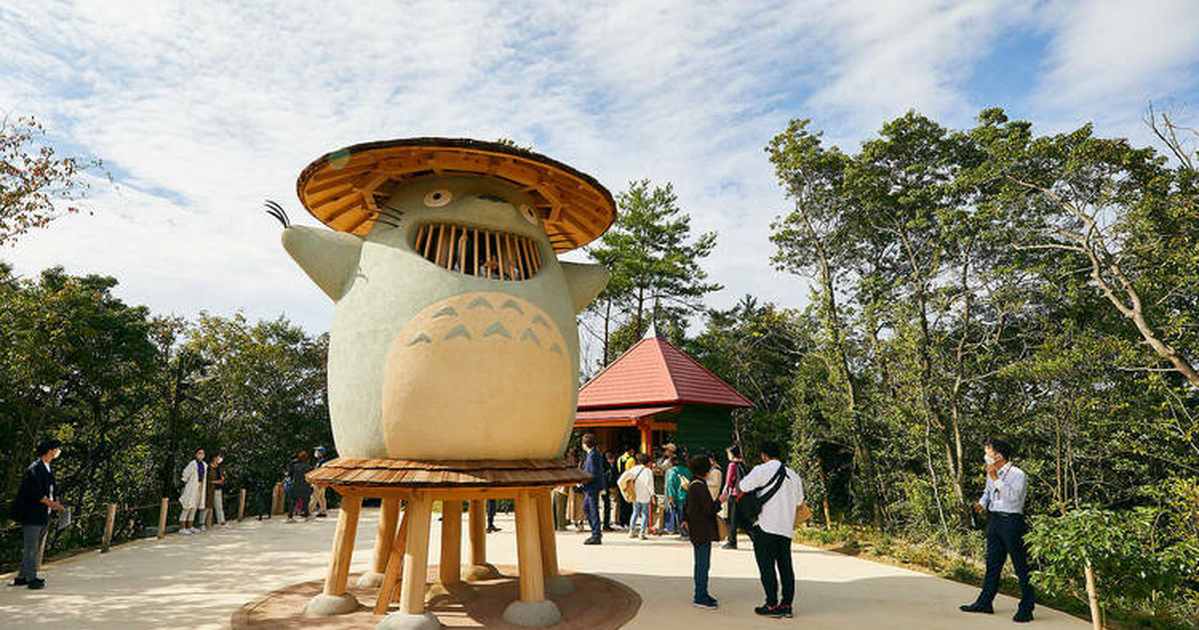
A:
[(653, 394)]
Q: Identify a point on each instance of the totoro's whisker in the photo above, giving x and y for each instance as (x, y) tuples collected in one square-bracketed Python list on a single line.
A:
[(277, 211)]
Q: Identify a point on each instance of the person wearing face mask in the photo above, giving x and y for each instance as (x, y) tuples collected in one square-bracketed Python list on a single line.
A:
[(31, 508), (1003, 499)]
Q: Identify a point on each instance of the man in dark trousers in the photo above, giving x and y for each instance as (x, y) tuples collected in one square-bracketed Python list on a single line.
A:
[(1003, 499), (593, 464), (610, 476), (31, 508)]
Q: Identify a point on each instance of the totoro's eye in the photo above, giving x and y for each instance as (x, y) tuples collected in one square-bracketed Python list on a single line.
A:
[(527, 212), (438, 198)]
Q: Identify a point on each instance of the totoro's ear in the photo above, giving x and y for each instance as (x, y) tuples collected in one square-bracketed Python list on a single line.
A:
[(585, 280), (328, 257)]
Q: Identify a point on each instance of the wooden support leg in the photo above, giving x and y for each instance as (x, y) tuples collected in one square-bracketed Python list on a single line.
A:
[(450, 584), (533, 609), (555, 583), (343, 546), (389, 514), (334, 600), (478, 532), (479, 568), (416, 554), (528, 549), (391, 576)]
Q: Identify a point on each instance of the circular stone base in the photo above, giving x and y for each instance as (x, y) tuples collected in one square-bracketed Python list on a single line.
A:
[(322, 605), (597, 603), (533, 614), (370, 579), (401, 621), (480, 572), (459, 593)]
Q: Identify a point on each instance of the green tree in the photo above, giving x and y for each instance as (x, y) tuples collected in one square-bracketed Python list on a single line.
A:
[(653, 261)]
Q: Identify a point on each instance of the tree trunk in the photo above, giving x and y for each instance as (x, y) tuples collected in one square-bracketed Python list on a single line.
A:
[(1093, 599)]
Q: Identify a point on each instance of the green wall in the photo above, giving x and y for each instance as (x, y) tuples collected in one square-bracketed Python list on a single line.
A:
[(705, 428)]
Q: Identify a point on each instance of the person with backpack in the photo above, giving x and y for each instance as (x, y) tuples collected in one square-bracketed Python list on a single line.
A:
[(701, 512), (677, 479), (734, 473), (301, 490), (31, 508), (775, 493), (637, 487)]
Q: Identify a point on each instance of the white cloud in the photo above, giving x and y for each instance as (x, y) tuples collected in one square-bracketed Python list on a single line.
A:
[(205, 109)]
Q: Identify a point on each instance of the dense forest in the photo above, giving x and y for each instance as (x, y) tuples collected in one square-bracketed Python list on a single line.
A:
[(964, 284)]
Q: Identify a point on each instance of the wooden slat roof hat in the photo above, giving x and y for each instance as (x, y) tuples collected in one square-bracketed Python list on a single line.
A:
[(343, 189)]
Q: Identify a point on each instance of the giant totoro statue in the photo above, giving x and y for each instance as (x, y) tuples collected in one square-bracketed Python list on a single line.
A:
[(454, 332)]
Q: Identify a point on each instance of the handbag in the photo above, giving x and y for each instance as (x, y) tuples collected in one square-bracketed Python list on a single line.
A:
[(749, 504), (803, 513), (628, 489)]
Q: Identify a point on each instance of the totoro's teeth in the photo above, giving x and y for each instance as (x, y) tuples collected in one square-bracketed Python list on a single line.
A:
[(478, 252)]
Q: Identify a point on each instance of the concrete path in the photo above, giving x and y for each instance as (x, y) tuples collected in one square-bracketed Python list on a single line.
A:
[(197, 582)]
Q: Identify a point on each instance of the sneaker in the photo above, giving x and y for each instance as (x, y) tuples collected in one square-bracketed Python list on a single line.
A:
[(728, 546), (632, 534), (977, 607), (763, 610), (36, 583), (19, 581), (1023, 616), (322, 515), (642, 536), (185, 532), (775, 611), (592, 541), (784, 611), (707, 604)]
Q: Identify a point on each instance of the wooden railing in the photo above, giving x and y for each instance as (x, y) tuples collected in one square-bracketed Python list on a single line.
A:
[(278, 505)]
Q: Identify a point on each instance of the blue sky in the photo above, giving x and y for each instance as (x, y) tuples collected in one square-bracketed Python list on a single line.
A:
[(201, 110)]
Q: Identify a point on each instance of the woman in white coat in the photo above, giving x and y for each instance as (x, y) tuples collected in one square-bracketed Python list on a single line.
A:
[(193, 493)]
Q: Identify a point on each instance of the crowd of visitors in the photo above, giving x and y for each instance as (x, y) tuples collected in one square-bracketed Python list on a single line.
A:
[(699, 504)]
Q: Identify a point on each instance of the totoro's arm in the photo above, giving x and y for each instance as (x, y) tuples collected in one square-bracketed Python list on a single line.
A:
[(328, 257), (585, 280)]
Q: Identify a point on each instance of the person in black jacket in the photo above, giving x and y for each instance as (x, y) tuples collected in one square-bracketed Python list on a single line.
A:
[(31, 508), (594, 466)]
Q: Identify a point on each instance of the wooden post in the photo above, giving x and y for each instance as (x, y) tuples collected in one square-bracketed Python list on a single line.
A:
[(528, 549), (451, 542), (545, 528), (478, 532), (395, 563), (416, 553), (1093, 598), (343, 546), (162, 516), (109, 520), (389, 514), (241, 505)]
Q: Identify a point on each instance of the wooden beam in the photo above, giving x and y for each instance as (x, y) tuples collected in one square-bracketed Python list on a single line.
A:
[(545, 528), (478, 532), (395, 562), (416, 554), (343, 546), (389, 514), (528, 549), (451, 542)]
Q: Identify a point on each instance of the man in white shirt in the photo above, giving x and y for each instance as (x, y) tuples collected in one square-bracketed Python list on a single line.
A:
[(775, 527), (1003, 498)]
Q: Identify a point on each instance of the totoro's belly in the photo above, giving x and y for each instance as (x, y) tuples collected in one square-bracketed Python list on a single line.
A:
[(478, 376)]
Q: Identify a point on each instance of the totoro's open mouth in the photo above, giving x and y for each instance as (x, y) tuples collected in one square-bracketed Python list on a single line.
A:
[(478, 252)]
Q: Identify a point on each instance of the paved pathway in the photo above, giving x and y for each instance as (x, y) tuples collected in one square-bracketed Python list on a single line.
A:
[(196, 582)]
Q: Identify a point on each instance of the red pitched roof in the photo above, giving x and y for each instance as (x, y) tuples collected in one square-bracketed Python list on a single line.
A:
[(654, 372)]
